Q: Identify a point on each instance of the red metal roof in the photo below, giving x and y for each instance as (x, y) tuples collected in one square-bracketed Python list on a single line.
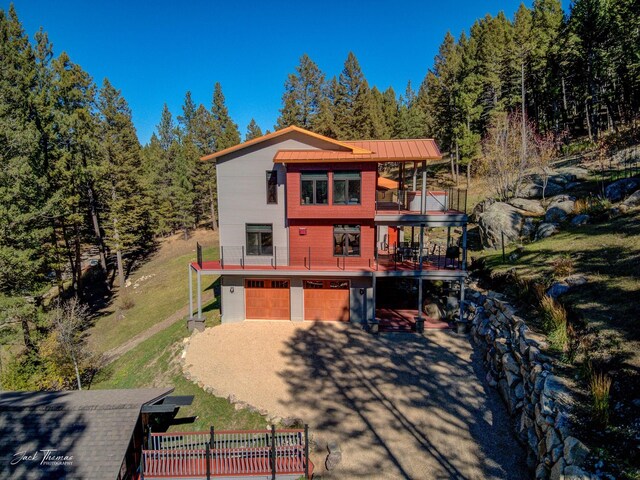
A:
[(381, 151)]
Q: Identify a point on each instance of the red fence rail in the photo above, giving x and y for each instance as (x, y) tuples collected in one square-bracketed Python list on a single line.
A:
[(227, 453)]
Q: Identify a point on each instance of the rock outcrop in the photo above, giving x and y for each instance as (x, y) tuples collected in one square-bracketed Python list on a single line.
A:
[(499, 218)]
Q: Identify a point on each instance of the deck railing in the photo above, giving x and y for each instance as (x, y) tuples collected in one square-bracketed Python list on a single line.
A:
[(407, 255), (443, 200), (227, 453)]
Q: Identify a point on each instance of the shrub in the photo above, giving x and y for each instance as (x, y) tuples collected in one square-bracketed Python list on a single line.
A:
[(554, 322), (594, 206), (562, 266), (126, 301), (600, 386)]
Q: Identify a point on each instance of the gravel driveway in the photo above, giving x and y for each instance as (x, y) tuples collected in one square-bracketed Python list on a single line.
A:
[(399, 405)]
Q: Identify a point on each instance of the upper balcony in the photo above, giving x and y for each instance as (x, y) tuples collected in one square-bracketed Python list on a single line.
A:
[(444, 207), (434, 260)]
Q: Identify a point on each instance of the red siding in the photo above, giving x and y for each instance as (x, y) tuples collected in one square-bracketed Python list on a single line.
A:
[(365, 210), (319, 236)]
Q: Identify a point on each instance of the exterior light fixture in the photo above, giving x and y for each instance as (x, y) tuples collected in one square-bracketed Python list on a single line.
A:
[(231, 289)]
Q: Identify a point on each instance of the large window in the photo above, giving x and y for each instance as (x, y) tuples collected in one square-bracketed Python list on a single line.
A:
[(272, 187), (346, 240), (259, 239), (346, 188), (315, 188)]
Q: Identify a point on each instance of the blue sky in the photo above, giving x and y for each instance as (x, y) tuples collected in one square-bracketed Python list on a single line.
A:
[(156, 51)]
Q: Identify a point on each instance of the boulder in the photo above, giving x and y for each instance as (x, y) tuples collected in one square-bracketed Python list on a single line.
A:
[(574, 173), (575, 452), (545, 230), (534, 190), (530, 206), (557, 289), (575, 280), (618, 189), (528, 228), (334, 457), (556, 390), (575, 473), (633, 200), (557, 470), (432, 310), (560, 207), (580, 220), (497, 219)]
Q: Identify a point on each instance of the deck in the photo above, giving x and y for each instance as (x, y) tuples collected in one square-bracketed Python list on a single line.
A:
[(404, 320), (281, 454)]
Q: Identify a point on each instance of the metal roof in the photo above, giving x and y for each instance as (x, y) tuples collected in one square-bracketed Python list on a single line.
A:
[(411, 150)]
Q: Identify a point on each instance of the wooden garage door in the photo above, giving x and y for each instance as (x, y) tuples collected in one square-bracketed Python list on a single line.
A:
[(326, 300), (267, 299)]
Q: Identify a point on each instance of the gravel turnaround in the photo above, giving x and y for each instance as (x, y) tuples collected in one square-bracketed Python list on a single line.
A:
[(398, 405)]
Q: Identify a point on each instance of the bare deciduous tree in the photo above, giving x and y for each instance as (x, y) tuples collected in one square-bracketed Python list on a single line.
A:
[(68, 321), (508, 152)]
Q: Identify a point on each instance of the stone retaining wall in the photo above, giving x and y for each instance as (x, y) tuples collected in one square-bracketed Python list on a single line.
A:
[(539, 401)]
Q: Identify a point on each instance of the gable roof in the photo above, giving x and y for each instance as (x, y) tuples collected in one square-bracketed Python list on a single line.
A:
[(93, 426), (344, 145)]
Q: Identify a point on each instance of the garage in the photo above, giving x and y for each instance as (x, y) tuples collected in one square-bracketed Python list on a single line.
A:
[(326, 300), (267, 299)]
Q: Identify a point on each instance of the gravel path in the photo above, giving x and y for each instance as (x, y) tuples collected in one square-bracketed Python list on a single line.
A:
[(399, 405)]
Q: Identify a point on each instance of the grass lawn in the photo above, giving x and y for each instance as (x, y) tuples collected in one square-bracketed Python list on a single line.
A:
[(154, 363), (161, 290), (608, 255)]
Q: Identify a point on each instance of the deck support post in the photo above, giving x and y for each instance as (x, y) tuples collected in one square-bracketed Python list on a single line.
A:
[(190, 292), (195, 323), (199, 295), (423, 200), (373, 324), (419, 319), (462, 324), (415, 176), (421, 245), (464, 247), (448, 237)]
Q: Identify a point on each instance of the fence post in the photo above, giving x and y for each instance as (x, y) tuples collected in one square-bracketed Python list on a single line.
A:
[(306, 451), (208, 461), (221, 256), (309, 258), (273, 452), (242, 259), (502, 235)]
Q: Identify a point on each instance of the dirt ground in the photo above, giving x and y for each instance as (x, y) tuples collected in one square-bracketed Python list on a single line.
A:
[(399, 405)]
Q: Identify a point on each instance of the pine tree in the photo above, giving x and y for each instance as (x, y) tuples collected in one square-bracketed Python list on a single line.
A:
[(348, 92), (410, 119), (389, 112), (302, 96), (126, 209), (225, 131), (76, 143), (324, 122), (253, 131), (24, 230)]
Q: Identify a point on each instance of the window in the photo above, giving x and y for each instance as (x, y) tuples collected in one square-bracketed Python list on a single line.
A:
[(346, 240), (326, 284), (315, 188), (259, 239), (272, 187), (346, 188)]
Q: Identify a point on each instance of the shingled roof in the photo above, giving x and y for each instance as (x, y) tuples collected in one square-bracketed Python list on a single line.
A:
[(94, 427)]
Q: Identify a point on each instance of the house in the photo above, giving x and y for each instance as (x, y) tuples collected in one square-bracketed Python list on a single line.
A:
[(310, 230), (97, 434)]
